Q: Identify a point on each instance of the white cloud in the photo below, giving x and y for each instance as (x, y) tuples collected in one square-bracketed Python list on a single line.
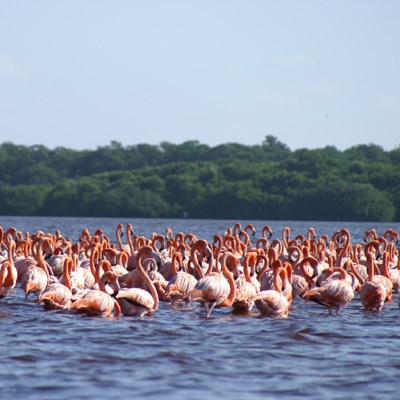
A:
[(9, 67), (391, 103)]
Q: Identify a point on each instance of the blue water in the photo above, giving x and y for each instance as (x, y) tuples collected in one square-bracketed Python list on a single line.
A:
[(178, 354)]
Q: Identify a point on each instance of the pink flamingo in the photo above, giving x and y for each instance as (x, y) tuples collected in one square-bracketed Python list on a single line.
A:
[(36, 278), (98, 302), (273, 302), (334, 294), (181, 282), (137, 301), (246, 287), (56, 295), (8, 272), (8, 278), (372, 294), (215, 289)]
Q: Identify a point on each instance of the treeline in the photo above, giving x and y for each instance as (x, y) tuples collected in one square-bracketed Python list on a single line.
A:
[(229, 181)]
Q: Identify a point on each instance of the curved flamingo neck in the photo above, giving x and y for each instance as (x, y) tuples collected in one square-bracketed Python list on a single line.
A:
[(314, 263), (246, 241), (311, 234), (246, 273), (350, 264), (272, 254), (117, 308), (39, 255), (26, 247), (9, 235), (188, 240), (371, 246), (179, 238), (265, 267), (200, 245), (346, 246), (370, 266), (168, 233), (146, 251), (103, 267), (3, 268), (11, 251), (129, 232), (85, 235), (286, 237), (176, 263), (211, 264), (122, 258), (294, 254), (277, 272), (158, 239), (251, 228), (265, 229), (109, 276), (93, 260), (118, 234), (229, 243), (68, 264), (218, 247), (262, 243), (229, 276), (289, 270), (386, 265), (250, 259), (340, 270), (356, 253), (236, 229)]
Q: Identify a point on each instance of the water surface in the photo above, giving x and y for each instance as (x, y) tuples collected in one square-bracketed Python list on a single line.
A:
[(178, 354)]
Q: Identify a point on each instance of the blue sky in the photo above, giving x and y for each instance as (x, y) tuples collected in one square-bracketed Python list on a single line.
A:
[(80, 74)]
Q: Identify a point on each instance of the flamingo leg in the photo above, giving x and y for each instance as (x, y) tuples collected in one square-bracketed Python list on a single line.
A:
[(209, 308)]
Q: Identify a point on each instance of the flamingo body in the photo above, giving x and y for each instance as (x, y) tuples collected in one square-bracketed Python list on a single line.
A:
[(245, 293), (56, 296), (180, 285), (372, 296), (34, 280), (135, 301), (95, 303), (334, 294), (214, 290), (272, 303), (8, 278)]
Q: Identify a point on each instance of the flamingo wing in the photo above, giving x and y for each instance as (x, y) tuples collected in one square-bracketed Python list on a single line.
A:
[(335, 294), (272, 303), (56, 296), (94, 303), (135, 301)]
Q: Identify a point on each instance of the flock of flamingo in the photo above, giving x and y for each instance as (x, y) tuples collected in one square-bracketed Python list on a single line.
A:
[(97, 276)]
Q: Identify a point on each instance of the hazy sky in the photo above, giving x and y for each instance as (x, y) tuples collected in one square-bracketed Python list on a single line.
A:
[(80, 74)]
